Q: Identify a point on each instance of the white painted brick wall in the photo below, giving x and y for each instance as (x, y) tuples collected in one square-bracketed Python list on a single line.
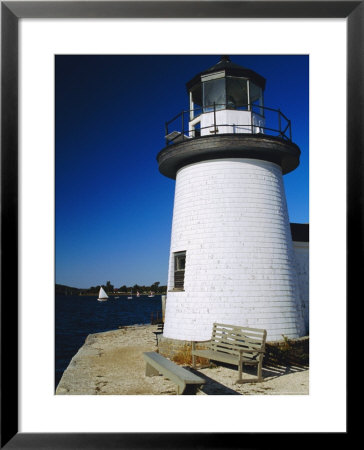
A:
[(230, 216), (301, 250)]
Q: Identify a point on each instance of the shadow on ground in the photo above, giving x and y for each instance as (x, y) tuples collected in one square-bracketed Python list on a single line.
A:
[(279, 370), (268, 371), (213, 387)]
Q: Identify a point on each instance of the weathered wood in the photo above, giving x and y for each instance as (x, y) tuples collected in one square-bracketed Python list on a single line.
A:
[(186, 381), (249, 330), (235, 345), (160, 329), (179, 279)]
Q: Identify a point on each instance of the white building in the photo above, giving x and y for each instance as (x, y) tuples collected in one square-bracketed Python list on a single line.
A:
[(300, 237), (232, 259)]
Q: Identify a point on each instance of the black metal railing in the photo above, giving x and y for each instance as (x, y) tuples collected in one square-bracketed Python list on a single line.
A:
[(272, 122)]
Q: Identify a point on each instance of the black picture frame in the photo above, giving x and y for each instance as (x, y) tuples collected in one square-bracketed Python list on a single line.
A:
[(11, 12)]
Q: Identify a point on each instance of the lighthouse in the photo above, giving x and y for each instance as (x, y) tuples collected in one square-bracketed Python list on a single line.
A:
[(231, 254)]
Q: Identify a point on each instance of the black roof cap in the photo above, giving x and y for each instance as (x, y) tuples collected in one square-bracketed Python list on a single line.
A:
[(231, 69), (300, 232)]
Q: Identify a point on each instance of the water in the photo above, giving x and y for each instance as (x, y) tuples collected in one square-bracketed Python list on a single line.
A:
[(78, 316)]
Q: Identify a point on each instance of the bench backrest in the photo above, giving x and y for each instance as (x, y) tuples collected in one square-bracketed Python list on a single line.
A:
[(230, 339)]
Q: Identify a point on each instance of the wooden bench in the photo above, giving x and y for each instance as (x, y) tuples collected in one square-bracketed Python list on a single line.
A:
[(186, 381), (235, 345)]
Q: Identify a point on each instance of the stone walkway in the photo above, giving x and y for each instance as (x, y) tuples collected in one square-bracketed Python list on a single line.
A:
[(111, 363)]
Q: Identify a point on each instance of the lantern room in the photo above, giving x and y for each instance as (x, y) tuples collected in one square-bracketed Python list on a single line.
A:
[(227, 98)]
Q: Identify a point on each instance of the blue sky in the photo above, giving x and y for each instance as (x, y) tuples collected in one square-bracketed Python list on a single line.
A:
[(113, 207)]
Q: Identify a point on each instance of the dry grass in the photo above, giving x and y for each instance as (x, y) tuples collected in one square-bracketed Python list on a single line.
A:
[(184, 357)]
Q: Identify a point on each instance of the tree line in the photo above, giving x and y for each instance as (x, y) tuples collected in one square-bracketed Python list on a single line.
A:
[(111, 289), (124, 289)]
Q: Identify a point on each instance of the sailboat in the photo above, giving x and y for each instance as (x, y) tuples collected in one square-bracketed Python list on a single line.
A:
[(138, 295), (130, 296), (102, 295), (151, 294)]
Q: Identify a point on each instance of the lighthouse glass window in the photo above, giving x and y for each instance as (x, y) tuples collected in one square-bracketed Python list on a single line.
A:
[(256, 98), (214, 94), (236, 93), (179, 269)]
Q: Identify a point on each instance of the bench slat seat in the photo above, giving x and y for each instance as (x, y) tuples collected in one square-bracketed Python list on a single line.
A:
[(223, 357), (234, 345), (186, 381)]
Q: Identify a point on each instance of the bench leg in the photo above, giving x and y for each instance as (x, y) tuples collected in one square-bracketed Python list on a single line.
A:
[(245, 380), (250, 380), (150, 371), (259, 372), (240, 379), (181, 388), (193, 361)]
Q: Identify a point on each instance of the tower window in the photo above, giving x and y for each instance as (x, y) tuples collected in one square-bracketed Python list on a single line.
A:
[(179, 269)]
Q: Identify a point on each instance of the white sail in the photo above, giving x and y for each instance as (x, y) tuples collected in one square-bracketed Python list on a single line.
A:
[(102, 294)]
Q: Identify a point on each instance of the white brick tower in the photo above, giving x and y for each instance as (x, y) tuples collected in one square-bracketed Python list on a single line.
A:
[(231, 257)]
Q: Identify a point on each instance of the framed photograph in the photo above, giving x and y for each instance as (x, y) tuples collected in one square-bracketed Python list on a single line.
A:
[(32, 33)]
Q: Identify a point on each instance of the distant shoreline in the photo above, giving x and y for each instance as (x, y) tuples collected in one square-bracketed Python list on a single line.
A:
[(113, 295), (62, 289)]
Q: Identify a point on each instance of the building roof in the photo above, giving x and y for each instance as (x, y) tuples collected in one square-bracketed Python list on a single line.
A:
[(231, 69), (300, 232)]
